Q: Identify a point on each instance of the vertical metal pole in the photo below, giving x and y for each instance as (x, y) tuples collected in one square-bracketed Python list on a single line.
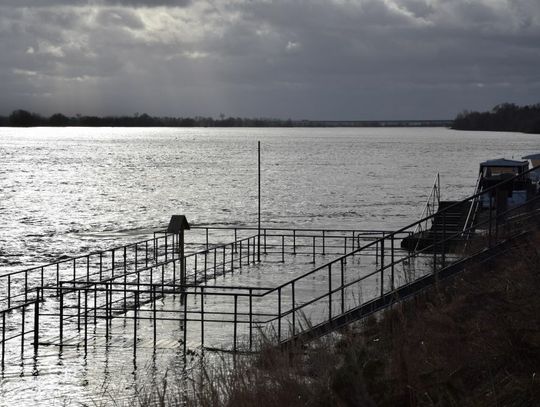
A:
[(279, 314), (323, 242), (182, 259), (202, 316), (135, 309), (206, 266), (185, 325), (235, 239), (293, 309), (240, 258), (283, 248), (23, 318), (154, 315), (166, 246), (57, 279), (107, 311), (382, 266), (392, 259), (207, 239), (154, 247), (342, 288), (345, 247), (125, 293), (36, 321), (3, 338), (224, 249), (215, 264), (174, 274), (85, 320), (232, 258), (95, 306), (313, 246), (265, 241), (101, 265), (9, 290), (235, 320), (61, 325), (113, 261), (250, 318), (330, 292), (146, 254), (79, 310), (259, 203), (254, 251), (294, 241)]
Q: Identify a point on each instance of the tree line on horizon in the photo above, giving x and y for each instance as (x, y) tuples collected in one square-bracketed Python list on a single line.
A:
[(503, 117), (23, 118)]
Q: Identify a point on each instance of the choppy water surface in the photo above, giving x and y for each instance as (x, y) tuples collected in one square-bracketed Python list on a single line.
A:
[(71, 191), (64, 191)]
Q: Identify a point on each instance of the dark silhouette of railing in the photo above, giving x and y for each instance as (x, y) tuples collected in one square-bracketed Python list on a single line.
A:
[(155, 262), (98, 288)]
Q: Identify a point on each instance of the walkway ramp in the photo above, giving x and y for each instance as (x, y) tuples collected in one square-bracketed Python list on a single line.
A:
[(388, 299)]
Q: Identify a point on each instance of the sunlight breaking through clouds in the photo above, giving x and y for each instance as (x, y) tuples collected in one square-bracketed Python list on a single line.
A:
[(303, 59)]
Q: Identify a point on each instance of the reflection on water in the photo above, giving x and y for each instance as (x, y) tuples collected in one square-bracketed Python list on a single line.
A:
[(71, 191)]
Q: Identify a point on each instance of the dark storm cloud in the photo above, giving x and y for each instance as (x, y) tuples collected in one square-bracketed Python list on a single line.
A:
[(316, 58)]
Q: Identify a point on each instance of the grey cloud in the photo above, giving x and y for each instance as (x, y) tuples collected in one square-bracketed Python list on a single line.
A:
[(317, 58), (96, 3), (119, 17)]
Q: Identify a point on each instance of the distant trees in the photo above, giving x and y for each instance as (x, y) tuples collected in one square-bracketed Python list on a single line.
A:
[(503, 117), (58, 120), (23, 118)]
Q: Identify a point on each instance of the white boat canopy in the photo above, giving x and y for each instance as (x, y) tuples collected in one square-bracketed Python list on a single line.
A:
[(532, 157), (503, 167), (503, 162)]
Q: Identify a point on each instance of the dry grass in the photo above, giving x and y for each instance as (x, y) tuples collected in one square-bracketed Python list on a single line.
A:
[(472, 341)]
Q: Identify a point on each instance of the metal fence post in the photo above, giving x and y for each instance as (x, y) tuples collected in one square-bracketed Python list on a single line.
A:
[(330, 291), (279, 314), (382, 266), (36, 321), (235, 320)]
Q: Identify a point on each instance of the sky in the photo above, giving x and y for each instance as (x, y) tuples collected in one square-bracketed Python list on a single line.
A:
[(299, 59)]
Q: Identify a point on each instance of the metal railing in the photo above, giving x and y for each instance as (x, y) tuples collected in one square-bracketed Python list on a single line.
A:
[(157, 262), (312, 300), (430, 208)]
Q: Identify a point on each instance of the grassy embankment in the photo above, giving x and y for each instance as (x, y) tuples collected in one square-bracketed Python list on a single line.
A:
[(471, 341)]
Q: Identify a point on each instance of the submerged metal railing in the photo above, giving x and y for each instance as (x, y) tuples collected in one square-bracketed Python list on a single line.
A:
[(294, 308), (157, 261)]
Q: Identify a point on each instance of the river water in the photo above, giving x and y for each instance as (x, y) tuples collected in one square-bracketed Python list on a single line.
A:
[(66, 191), (69, 191)]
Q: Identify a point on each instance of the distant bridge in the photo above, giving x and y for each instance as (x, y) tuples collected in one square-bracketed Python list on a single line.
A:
[(372, 123)]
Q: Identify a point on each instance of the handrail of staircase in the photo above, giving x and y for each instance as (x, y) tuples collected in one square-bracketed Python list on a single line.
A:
[(434, 194), (474, 206)]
